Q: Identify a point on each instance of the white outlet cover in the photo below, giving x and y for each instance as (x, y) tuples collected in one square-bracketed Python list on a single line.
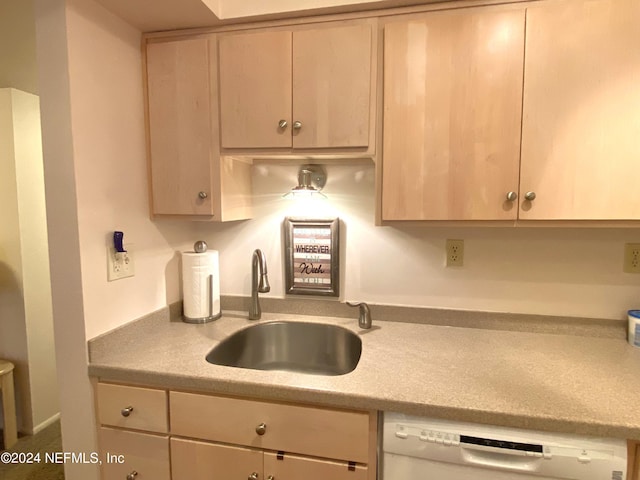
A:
[(120, 265)]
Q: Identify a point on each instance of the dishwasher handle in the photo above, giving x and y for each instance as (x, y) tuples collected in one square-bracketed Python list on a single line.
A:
[(502, 460)]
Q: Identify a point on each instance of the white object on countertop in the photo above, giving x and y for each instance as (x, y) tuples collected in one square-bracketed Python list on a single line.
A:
[(423, 448), (633, 334), (200, 286)]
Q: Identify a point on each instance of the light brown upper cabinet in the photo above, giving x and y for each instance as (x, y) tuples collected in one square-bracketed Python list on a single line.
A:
[(581, 123), (452, 114), (188, 176), (308, 88)]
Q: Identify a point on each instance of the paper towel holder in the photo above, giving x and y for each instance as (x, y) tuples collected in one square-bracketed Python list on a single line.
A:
[(211, 317), (200, 247)]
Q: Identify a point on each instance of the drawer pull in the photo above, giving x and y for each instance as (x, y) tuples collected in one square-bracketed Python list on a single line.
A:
[(261, 429), (271, 477), (253, 476), (125, 413), (132, 475)]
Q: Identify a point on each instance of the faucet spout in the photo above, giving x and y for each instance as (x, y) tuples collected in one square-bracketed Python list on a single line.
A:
[(259, 283)]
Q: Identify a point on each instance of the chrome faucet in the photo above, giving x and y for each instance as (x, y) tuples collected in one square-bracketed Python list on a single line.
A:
[(364, 319), (259, 283)]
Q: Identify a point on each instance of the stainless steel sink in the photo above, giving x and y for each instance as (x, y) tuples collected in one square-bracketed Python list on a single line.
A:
[(313, 348)]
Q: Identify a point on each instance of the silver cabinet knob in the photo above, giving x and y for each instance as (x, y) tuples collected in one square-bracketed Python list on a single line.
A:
[(283, 124), (297, 125), (511, 196), (261, 429), (126, 411), (203, 195), (271, 477), (132, 475), (253, 476), (530, 196)]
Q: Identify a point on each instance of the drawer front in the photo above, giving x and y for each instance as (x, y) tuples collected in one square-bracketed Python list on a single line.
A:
[(191, 460), (148, 407), (314, 431), (293, 467), (146, 454)]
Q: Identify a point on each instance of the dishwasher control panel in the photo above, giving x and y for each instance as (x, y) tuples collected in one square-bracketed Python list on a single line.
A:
[(518, 453)]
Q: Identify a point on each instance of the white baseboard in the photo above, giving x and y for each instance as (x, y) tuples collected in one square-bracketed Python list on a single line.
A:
[(38, 428)]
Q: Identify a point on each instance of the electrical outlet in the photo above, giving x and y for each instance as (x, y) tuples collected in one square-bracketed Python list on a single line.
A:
[(631, 258), (120, 265), (455, 253)]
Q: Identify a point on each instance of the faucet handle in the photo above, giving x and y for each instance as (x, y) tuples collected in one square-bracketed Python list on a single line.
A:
[(364, 319)]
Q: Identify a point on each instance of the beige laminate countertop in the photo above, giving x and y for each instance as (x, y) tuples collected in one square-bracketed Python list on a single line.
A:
[(540, 381)]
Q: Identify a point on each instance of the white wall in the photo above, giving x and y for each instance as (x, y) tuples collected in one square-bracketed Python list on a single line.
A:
[(26, 332), (77, 416), (13, 329), (245, 8), (18, 67), (111, 174), (35, 259)]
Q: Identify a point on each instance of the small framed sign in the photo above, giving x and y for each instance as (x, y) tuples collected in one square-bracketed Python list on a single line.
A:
[(312, 258)]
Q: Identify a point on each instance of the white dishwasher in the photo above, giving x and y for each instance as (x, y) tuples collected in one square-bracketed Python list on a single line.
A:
[(427, 449)]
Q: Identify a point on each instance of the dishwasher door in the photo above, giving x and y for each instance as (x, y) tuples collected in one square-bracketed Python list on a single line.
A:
[(415, 448), (400, 467)]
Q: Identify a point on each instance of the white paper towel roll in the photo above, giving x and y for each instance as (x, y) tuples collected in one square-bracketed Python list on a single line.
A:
[(200, 286)]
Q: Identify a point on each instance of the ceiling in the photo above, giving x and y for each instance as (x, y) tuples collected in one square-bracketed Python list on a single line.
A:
[(159, 15)]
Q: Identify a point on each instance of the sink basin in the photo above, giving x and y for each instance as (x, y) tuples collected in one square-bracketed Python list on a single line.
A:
[(313, 348)]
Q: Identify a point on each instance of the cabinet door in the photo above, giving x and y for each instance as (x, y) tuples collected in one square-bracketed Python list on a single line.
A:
[(123, 453), (207, 461), (321, 432), (293, 467), (178, 84), (332, 86), (255, 89), (452, 113), (581, 122), (132, 407)]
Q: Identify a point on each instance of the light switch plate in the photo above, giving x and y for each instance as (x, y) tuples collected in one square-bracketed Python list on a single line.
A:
[(120, 265)]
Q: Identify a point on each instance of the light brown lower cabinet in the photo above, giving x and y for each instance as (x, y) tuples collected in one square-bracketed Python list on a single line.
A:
[(133, 455), (197, 460), (219, 437), (293, 467), (194, 460)]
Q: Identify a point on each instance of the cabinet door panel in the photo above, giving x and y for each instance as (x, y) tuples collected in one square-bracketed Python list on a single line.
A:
[(452, 114), (581, 123), (332, 86), (146, 454), (178, 86), (207, 461), (255, 89), (149, 407), (293, 467), (314, 431)]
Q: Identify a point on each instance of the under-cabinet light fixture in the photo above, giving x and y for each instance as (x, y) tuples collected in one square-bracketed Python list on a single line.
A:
[(311, 179)]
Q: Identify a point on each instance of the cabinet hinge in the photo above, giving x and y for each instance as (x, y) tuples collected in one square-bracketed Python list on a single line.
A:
[(351, 466), (280, 456)]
